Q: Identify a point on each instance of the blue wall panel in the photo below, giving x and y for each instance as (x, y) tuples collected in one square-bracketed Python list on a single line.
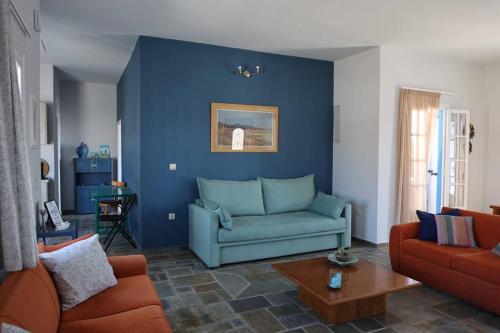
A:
[(128, 104), (179, 80)]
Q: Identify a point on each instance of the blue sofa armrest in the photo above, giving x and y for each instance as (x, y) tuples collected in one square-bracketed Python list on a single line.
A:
[(347, 214), (203, 235)]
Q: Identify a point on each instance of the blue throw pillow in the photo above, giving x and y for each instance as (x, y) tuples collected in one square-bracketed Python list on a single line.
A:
[(328, 205), (496, 250), (428, 229), (225, 218)]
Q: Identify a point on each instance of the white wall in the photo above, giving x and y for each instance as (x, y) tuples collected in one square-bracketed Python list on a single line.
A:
[(492, 120), (355, 157), (400, 67), (46, 83), (365, 161), (47, 151), (88, 114)]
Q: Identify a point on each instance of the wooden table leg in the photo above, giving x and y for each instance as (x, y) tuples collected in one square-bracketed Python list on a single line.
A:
[(347, 311)]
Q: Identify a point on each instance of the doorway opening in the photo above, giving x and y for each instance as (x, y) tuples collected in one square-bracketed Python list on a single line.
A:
[(448, 162)]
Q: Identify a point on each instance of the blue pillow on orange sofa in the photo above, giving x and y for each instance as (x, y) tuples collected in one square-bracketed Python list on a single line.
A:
[(428, 229)]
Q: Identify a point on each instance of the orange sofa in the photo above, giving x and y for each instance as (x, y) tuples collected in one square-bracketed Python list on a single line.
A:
[(472, 274), (29, 299)]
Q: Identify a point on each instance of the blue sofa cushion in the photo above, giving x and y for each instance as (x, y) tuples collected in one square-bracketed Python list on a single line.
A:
[(248, 228), (328, 205), (225, 218), (238, 197), (288, 195), (428, 228)]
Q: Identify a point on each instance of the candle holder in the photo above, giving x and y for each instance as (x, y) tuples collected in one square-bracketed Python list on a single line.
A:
[(334, 278)]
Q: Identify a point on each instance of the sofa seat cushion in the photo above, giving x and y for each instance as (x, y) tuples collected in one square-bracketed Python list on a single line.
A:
[(130, 293), (484, 265), (437, 254), (149, 319), (249, 228)]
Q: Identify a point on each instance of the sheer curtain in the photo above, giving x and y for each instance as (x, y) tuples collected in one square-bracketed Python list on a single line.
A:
[(417, 117), (17, 216)]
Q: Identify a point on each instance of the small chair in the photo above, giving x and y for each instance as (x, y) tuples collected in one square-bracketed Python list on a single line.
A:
[(109, 206), (118, 217)]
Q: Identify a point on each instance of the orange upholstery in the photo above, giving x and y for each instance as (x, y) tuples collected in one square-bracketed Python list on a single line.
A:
[(124, 266), (484, 265), (436, 254), (461, 285), (470, 274), (398, 234), (486, 228), (150, 319), (29, 299), (130, 293)]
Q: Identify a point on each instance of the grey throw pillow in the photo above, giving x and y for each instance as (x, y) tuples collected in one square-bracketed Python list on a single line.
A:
[(8, 328), (496, 250), (80, 271)]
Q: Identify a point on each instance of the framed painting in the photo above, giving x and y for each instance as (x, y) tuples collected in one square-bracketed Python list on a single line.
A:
[(244, 128)]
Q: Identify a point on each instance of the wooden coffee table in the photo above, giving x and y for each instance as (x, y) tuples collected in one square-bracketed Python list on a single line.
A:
[(363, 294)]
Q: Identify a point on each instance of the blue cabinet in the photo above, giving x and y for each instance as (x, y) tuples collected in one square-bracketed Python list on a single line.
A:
[(83, 200), (89, 165), (90, 173)]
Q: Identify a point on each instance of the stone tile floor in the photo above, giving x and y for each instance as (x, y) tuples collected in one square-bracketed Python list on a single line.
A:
[(252, 297)]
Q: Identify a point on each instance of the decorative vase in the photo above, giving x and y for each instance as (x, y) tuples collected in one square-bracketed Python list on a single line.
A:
[(82, 150)]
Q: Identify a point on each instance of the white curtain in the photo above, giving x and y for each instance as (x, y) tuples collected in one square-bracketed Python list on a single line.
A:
[(17, 216), (417, 119)]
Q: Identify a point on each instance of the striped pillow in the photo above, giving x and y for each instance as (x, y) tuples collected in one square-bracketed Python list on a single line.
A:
[(496, 250), (455, 230)]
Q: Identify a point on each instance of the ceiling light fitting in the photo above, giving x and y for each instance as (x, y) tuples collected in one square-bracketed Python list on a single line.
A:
[(246, 72)]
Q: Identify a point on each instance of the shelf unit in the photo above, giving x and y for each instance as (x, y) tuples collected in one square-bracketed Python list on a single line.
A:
[(90, 174)]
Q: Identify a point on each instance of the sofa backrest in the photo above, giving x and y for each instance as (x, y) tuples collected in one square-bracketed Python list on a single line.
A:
[(28, 299), (486, 228), (288, 195), (238, 197)]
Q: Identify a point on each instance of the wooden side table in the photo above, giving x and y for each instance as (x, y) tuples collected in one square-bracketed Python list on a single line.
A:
[(72, 231), (495, 209)]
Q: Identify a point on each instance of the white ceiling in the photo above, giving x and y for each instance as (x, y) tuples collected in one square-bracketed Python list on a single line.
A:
[(91, 40)]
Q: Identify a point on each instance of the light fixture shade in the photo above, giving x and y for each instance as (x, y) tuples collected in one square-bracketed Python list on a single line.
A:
[(246, 73)]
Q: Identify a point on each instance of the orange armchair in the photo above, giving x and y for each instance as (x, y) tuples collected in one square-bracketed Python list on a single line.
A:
[(29, 299)]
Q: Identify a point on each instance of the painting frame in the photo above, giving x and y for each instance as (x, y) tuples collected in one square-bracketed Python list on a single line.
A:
[(268, 114)]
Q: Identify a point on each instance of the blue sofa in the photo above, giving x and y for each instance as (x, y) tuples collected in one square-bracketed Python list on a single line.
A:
[(270, 218)]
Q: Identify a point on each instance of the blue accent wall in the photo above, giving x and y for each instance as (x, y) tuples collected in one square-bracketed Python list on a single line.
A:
[(128, 104), (177, 81)]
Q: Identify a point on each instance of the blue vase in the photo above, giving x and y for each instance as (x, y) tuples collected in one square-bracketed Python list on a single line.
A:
[(82, 150)]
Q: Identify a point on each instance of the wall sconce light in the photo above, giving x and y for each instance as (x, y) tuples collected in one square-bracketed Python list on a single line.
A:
[(246, 72)]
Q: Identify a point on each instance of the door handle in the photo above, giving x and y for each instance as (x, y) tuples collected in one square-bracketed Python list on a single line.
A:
[(432, 172)]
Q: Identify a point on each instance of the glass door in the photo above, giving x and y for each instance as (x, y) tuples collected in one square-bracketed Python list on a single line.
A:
[(456, 161)]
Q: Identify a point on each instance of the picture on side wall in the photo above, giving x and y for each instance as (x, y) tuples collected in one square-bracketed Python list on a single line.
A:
[(244, 128), (104, 151)]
